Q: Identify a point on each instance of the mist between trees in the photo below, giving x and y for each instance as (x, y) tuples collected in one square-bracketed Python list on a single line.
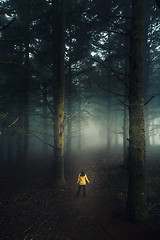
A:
[(79, 75)]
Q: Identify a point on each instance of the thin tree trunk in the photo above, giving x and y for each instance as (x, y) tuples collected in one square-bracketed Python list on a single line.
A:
[(26, 108), (126, 113), (9, 150), (69, 138), (2, 143), (69, 93), (109, 133), (126, 93), (153, 132), (125, 131), (147, 72), (136, 202), (20, 127), (26, 91), (109, 121), (116, 142), (79, 124), (45, 128), (2, 149)]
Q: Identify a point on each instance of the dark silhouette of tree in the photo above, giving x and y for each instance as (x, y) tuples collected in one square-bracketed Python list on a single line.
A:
[(136, 203), (59, 88)]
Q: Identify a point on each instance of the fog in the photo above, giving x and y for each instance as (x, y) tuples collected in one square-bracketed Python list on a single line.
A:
[(96, 72), (80, 119)]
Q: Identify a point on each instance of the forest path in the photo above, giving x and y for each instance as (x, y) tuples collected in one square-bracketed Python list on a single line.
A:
[(97, 215), (86, 215), (100, 215), (31, 210)]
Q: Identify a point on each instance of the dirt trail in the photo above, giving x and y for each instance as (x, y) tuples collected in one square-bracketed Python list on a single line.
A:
[(99, 215), (88, 217), (30, 209)]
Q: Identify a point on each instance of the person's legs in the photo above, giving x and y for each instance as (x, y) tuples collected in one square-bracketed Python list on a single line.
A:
[(79, 189), (84, 190)]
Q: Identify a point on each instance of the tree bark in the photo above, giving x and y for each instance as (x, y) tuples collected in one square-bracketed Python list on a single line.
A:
[(79, 145), (109, 125), (26, 87), (125, 131), (20, 127), (69, 94), (2, 149), (126, 94), (136, 202), (116, 135), (109, 113), (147, 72), (9, 150), (126, 111), (45, 129), (59, 80), (26, 105)]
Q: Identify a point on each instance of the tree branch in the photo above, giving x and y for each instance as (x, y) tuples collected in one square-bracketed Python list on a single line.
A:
[(44, 133), (107, 90), (115, 72), (150, 99), (117, 16), (125, 104), (41, 139), (27, 68), (46, 100), (69, 119), (7, 25), (13, 122), (107, 17), (117, 32)]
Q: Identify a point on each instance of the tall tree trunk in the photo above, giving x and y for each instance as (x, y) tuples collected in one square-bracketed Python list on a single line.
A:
[(147, 72), (2, 149), (2, 146), (125, 131), (109, 133), (26, 107), (116, 135), (126, 93), (69, 94), (45, 129), (126, 112), (147, 117), (153, 132), (5, 149), (136, 202), (79, 124), (109, 121), (69, 130), (59, 80), (9, 150), (26, 88), (20, 127)]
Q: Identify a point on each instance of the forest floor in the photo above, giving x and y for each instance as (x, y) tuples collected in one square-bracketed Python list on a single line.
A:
[(32, 210)]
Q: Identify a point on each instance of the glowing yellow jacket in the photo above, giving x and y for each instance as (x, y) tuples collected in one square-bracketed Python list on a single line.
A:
[(82, 179)]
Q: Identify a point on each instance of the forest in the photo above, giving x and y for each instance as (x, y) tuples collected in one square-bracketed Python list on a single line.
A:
[(79, 99)]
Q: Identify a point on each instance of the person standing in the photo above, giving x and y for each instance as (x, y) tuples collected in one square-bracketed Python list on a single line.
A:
[(82, 180)]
